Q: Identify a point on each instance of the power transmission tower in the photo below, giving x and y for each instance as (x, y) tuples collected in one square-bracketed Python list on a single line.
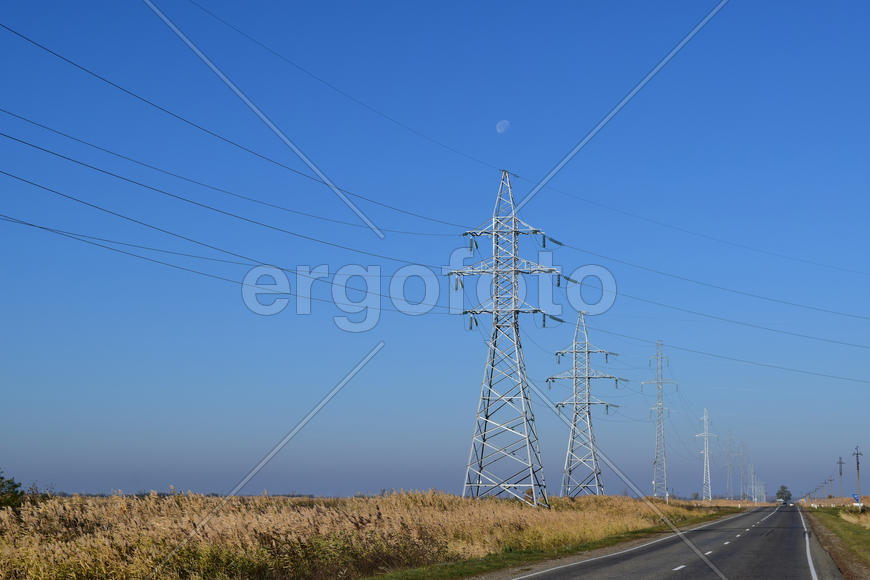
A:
[(707, 492), (741, 471), (857, 453), (752, 484), (505, 458), (660, 463), (729, 484), (840, 463), (582, 472)]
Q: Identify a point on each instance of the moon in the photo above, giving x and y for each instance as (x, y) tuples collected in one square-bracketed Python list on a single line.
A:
[(502, 126)]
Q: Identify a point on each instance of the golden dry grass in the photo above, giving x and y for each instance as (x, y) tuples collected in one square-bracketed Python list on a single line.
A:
[(854, 517), (837, 501), (719, 502), (280, 537)]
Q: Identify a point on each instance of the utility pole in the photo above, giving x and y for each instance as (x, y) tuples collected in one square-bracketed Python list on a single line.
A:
[(582, 472), (840, 462), (707, 492), (660, 465), (741, 472), (857, 453), (505, 457)]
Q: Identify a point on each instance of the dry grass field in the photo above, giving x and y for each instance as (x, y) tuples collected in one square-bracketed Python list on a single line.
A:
[(280, 537), (854, 517), (837, 501)]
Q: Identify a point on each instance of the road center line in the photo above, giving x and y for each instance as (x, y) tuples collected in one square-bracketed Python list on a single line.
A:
[(728, 542), (708, 553), (669, 537), (738, 535), (679, 567)]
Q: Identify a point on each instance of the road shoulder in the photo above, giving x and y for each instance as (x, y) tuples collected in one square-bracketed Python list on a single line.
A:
[(851, 567)]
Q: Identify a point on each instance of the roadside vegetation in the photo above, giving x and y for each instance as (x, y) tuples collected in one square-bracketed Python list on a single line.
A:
[(11, 495), (290, 537), (846, 536)]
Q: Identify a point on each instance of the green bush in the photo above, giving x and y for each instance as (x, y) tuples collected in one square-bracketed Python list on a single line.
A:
[(10, 492)]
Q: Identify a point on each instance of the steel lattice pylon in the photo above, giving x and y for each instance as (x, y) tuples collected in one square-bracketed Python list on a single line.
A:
[(660, 463), (505, 458), (707, 492), (582, 472)]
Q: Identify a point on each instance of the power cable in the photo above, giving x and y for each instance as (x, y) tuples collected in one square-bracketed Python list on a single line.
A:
[(214, 133), (481, 162), (90, 240), (736, 359), (343, 93), (189, 239), (213, 208), (209, 186), (401, 210), (709, 284)]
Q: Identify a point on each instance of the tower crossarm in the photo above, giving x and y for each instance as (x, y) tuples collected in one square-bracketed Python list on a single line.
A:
[(517, 266)]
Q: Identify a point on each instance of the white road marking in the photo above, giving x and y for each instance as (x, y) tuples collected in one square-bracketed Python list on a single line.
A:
[(728, 542), (679, 567), (809, 555), (738, 535), (708, 553), (747, 529), (539, 572)]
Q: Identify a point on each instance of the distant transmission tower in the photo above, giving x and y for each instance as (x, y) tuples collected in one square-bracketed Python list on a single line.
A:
[(660, 464), (857, 453), (752, 488), (707, 492), (505, 459), (582, 473), (729, 483)]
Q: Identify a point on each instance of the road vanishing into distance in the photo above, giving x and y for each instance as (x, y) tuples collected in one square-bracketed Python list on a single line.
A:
[(765, 543)]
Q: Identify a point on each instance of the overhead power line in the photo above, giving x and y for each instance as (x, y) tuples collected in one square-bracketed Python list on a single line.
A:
[(95, 241), (211, 207), (664, 305), (128, 244), (383, 256), (187, 238), (744, 323), (702, 234), (343, 93), (404, 211), (85, 240), (709, 284), (288, 270), (209, 186), (740, 360), (215, 134), (311, 238), (479, 161)]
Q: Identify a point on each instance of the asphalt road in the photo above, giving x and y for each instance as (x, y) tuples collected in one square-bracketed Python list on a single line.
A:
[(763, 543)]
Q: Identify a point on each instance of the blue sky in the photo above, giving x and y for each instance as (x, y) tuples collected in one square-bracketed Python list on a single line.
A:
[(123, 374)]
